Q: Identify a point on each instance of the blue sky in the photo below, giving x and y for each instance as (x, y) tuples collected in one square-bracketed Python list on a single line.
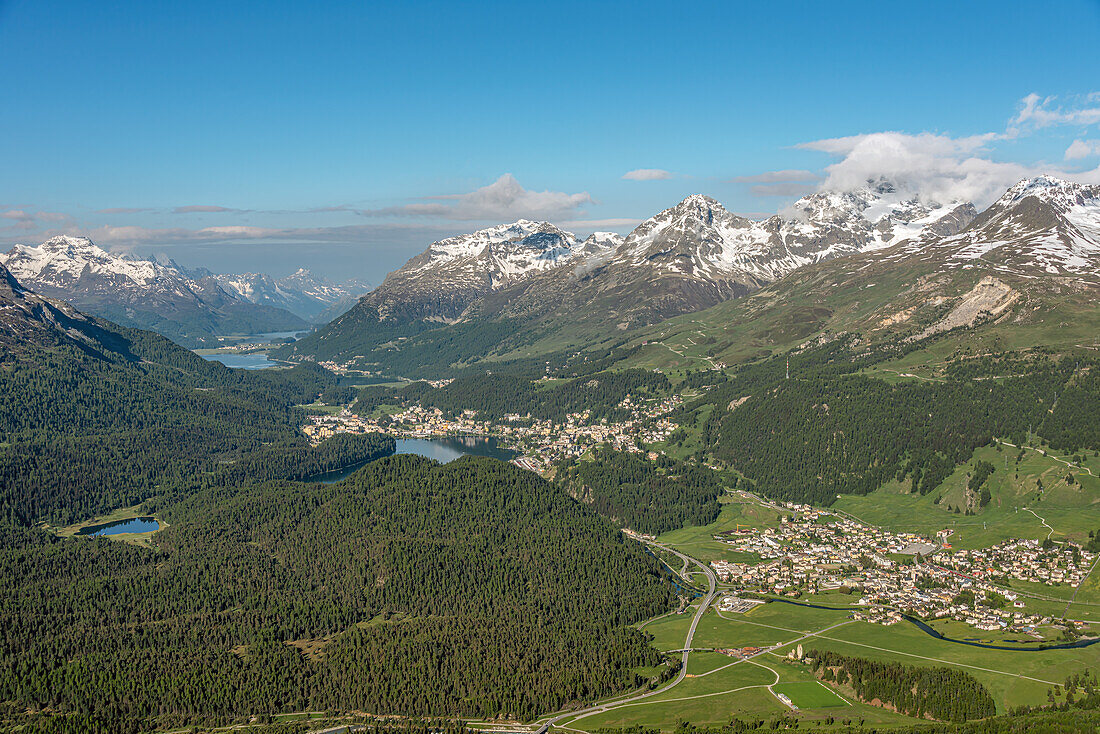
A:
[(346, 136)]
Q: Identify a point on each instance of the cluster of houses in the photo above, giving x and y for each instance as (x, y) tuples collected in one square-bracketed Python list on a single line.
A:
[(899, 574), (543, 442), (1024, 560)]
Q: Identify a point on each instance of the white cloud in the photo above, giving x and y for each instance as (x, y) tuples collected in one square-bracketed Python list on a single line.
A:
[(1040, 112), (934, 167), (647, 174), (1079, 149), (504, 199)]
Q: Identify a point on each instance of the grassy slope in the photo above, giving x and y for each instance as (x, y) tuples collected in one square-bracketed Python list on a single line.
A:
[(1071, 509)]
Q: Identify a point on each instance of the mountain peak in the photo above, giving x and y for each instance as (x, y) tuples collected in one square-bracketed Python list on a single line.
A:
[(698, 203), (71, 245), (1056, 191)]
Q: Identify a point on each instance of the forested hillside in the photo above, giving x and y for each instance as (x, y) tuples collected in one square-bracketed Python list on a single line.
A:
[(97, 416), (649, 497), (830, 429), (468, 589), (495, 395)]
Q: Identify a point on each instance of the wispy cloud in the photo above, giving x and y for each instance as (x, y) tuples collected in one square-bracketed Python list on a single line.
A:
[(123, 210), (1039, 112), (648, 174), (787, 188), (1079, 149), (203, 209), (504, 199), (28, 221)]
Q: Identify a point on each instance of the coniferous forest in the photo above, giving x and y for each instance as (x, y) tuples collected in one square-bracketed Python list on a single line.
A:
[(947, 694), (830, 430), (646, 496), (410, 588)]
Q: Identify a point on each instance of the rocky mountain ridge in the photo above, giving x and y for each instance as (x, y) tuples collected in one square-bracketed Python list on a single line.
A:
[(190, 308)]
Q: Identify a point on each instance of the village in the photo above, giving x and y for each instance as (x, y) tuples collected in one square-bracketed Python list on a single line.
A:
[(541, 443), (898, 574)]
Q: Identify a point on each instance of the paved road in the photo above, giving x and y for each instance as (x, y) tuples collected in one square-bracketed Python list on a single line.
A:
[(712, 580)]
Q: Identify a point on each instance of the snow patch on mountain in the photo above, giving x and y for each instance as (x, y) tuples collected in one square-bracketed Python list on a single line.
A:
[(61, 261), (1040, 225)]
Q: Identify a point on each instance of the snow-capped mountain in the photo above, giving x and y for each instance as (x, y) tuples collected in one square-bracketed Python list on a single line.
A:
[(441, 282), (302, 293), (697, 253), (62, 262), (685, 258), (599, 243), (699, 238), (189, 308), (1042, 225), (1030, 262)]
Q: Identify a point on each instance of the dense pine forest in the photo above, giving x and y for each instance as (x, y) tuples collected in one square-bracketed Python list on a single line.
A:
[(830, 430), (942, 693), (495, 395), (646, 496), (83, 432), (412, 588)]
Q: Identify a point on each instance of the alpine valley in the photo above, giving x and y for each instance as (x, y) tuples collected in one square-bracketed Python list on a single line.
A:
[(725, 368), (789, 467)]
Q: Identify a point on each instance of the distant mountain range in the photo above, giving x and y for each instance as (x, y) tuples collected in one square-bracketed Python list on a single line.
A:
[(192, 307), (304, 294), (531, 282)]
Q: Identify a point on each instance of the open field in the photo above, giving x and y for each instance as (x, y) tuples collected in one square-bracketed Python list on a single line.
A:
[(711, 694), (811, 695), (1018, 509), (698, 541), (1013, 677), (719, 686)]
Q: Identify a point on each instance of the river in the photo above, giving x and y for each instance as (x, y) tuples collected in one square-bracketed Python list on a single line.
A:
[(972, 643)]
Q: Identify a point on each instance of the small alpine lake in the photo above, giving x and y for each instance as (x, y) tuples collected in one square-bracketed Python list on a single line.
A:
[(254, 361), (443, 450), (118, 527)]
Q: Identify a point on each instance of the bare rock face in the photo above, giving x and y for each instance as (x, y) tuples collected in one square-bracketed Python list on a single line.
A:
[(27, 318)]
